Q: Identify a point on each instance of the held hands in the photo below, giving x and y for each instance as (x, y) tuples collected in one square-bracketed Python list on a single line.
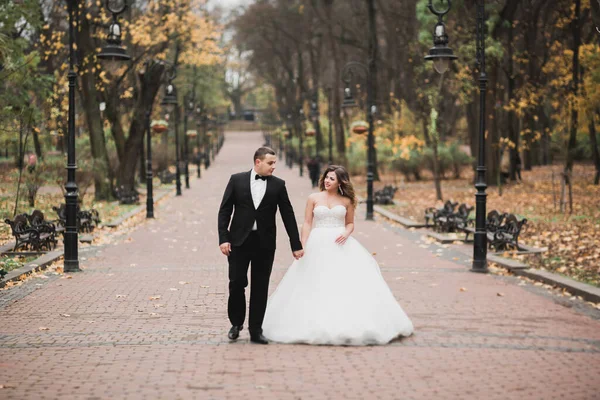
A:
[(342, 238), (225, 248), (298, 254)]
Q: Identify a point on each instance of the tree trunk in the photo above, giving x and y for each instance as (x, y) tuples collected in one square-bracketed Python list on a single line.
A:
[(340, 137), (431, 141), (100, 166), (472, 124), (513, 133), (113, 114), (37, 145), (595, 152), (568, 168), (150, 83), (492, 134)]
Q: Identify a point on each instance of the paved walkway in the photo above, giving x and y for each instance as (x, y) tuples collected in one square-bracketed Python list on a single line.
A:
[(147, 320)]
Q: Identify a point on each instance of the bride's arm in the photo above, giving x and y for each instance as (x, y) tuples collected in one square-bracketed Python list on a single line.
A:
[(349, 225), (308, 219)]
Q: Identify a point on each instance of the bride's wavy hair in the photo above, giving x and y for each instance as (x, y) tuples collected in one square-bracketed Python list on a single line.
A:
[(347, 190)]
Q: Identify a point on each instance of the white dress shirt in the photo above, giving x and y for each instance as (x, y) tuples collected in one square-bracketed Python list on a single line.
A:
[(258, 187)]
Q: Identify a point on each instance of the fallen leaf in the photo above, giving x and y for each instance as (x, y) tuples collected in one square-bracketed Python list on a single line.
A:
[(500, 294), (183, 283), (65, 315), (120, 296), (43, 328), (154, 297), (462, 289)]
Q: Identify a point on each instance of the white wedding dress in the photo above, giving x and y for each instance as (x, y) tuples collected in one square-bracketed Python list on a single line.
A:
[(335, 294)]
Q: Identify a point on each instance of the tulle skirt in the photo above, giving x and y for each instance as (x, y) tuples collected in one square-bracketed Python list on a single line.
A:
[(334, 295)]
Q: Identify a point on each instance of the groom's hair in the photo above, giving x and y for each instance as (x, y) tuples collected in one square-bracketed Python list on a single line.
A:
[(261, 152)]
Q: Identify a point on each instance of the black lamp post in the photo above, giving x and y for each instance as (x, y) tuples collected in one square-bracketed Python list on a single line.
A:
[(329, 128), (301, 119), (149, 177), (280, 140), (198, 145), (71, 256), (288, 139), (205, 140), (349, 102), (480, 237), (189, 108), (170, 102), (314, 115), (71, 190)]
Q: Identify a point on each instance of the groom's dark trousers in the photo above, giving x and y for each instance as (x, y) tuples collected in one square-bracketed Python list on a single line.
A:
[(250, 252), (254, 248)]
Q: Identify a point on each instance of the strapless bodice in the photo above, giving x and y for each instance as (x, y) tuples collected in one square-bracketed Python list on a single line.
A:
[(324, 217)]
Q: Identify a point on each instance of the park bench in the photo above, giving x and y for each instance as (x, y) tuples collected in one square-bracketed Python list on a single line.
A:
[(439, 215), (32, 232), (385, 196), (127, 196), (502, 230), (87, 220), (166, 177)]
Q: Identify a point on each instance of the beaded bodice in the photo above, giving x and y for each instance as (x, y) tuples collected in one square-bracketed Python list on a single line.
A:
[(325, 217)]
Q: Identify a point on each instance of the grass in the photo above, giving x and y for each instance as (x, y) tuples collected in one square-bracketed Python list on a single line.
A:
[(9, 263)]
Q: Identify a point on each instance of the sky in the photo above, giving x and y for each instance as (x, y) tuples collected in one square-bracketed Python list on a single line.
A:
[(230, 3)]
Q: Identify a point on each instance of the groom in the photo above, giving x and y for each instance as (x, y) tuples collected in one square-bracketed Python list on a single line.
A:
[(250, 239)]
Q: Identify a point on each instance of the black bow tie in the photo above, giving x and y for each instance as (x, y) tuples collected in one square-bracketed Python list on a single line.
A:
[(264, 178)]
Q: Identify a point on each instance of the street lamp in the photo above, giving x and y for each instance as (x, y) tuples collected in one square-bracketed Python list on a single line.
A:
[(349, 102), (71, 252), (113, 50), (71, 190), (314, 115), (198, 145), (480, 237), (188, 109), (288, 139), (440, 53), (301, 119), (170, 102), (329, 117)]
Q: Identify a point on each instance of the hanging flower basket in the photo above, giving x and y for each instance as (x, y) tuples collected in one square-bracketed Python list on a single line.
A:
[(310, 132), (159, 126), (359, 127), (192, 133)]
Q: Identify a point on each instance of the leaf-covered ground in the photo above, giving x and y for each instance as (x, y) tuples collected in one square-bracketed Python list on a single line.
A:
[(573, 240), (48, 196)]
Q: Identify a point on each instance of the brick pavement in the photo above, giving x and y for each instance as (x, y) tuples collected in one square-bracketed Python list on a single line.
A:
[(147, 320)]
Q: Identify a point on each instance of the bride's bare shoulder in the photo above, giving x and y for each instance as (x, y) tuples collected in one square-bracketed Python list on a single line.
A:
[(314, 197)]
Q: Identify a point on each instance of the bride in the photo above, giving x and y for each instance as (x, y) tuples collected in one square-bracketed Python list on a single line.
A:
[(335, 294)]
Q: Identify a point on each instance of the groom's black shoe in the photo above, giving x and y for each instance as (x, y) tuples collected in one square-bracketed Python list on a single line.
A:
[(234, 332), (258, 338)]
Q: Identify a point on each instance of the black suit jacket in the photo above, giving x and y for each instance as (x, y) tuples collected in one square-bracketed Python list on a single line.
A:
[(238, 197)]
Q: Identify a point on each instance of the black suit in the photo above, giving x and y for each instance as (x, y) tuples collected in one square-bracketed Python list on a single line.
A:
[(256, 247)]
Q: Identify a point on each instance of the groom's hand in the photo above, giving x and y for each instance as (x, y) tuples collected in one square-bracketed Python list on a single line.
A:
[(298, 254), (225, 248)]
